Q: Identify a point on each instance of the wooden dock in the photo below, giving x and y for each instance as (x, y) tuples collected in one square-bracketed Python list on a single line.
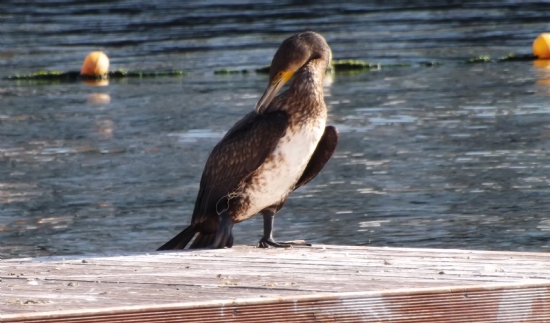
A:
[(245, 284)]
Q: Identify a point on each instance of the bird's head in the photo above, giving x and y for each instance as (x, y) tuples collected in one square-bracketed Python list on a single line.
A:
[(295, 52)]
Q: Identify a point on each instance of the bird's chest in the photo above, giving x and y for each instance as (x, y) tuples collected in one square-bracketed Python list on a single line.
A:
[(293, 152), (272, 182)]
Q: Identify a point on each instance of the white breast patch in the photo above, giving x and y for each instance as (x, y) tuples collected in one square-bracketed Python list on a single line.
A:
[(277, 176)]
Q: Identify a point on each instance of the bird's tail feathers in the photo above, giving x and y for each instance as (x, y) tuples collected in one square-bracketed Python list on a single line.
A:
[(203, 240), (181, 240)]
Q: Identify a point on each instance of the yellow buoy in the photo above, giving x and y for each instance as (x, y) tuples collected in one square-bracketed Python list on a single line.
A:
[(541, 46), (96, 63)]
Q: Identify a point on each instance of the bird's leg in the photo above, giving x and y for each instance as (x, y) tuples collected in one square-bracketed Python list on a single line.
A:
[(267, 239), (229, 243), (224, 236)]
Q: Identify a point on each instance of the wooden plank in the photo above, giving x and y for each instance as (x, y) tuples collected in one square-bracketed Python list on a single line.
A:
[(324, 283)]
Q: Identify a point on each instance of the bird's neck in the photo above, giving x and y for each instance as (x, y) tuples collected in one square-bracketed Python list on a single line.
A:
[(305, 94), (309, 78)]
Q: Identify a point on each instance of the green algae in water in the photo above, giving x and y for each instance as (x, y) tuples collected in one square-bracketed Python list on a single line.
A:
[(75, 75), (351, 65), (344, 65), (430, 63), (512, 57), (517, 58), (226, 71), (142, 74), (263, 70), (45, 75), (479, 59)]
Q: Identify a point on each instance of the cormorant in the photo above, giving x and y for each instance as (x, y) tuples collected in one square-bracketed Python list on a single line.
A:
[(273, 150)]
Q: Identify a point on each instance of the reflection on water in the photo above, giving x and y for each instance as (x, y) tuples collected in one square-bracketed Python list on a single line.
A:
[(195, 134), (454, 156), (542, 67)]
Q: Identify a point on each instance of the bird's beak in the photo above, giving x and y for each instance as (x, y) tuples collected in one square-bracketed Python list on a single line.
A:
[(274, 87)]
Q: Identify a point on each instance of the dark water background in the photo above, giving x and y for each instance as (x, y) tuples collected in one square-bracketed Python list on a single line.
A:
[(454, 156)]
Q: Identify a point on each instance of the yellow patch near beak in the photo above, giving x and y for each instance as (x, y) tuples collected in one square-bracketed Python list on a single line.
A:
[(276, 84), (286, 75)]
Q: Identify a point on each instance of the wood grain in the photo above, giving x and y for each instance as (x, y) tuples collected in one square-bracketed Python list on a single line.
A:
[(293, 281)]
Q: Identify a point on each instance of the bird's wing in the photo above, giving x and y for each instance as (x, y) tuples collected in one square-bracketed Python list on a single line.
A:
[(241, 151), (321, 155)]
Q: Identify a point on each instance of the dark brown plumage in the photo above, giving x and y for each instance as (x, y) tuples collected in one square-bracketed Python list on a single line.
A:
[(270, 152)]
